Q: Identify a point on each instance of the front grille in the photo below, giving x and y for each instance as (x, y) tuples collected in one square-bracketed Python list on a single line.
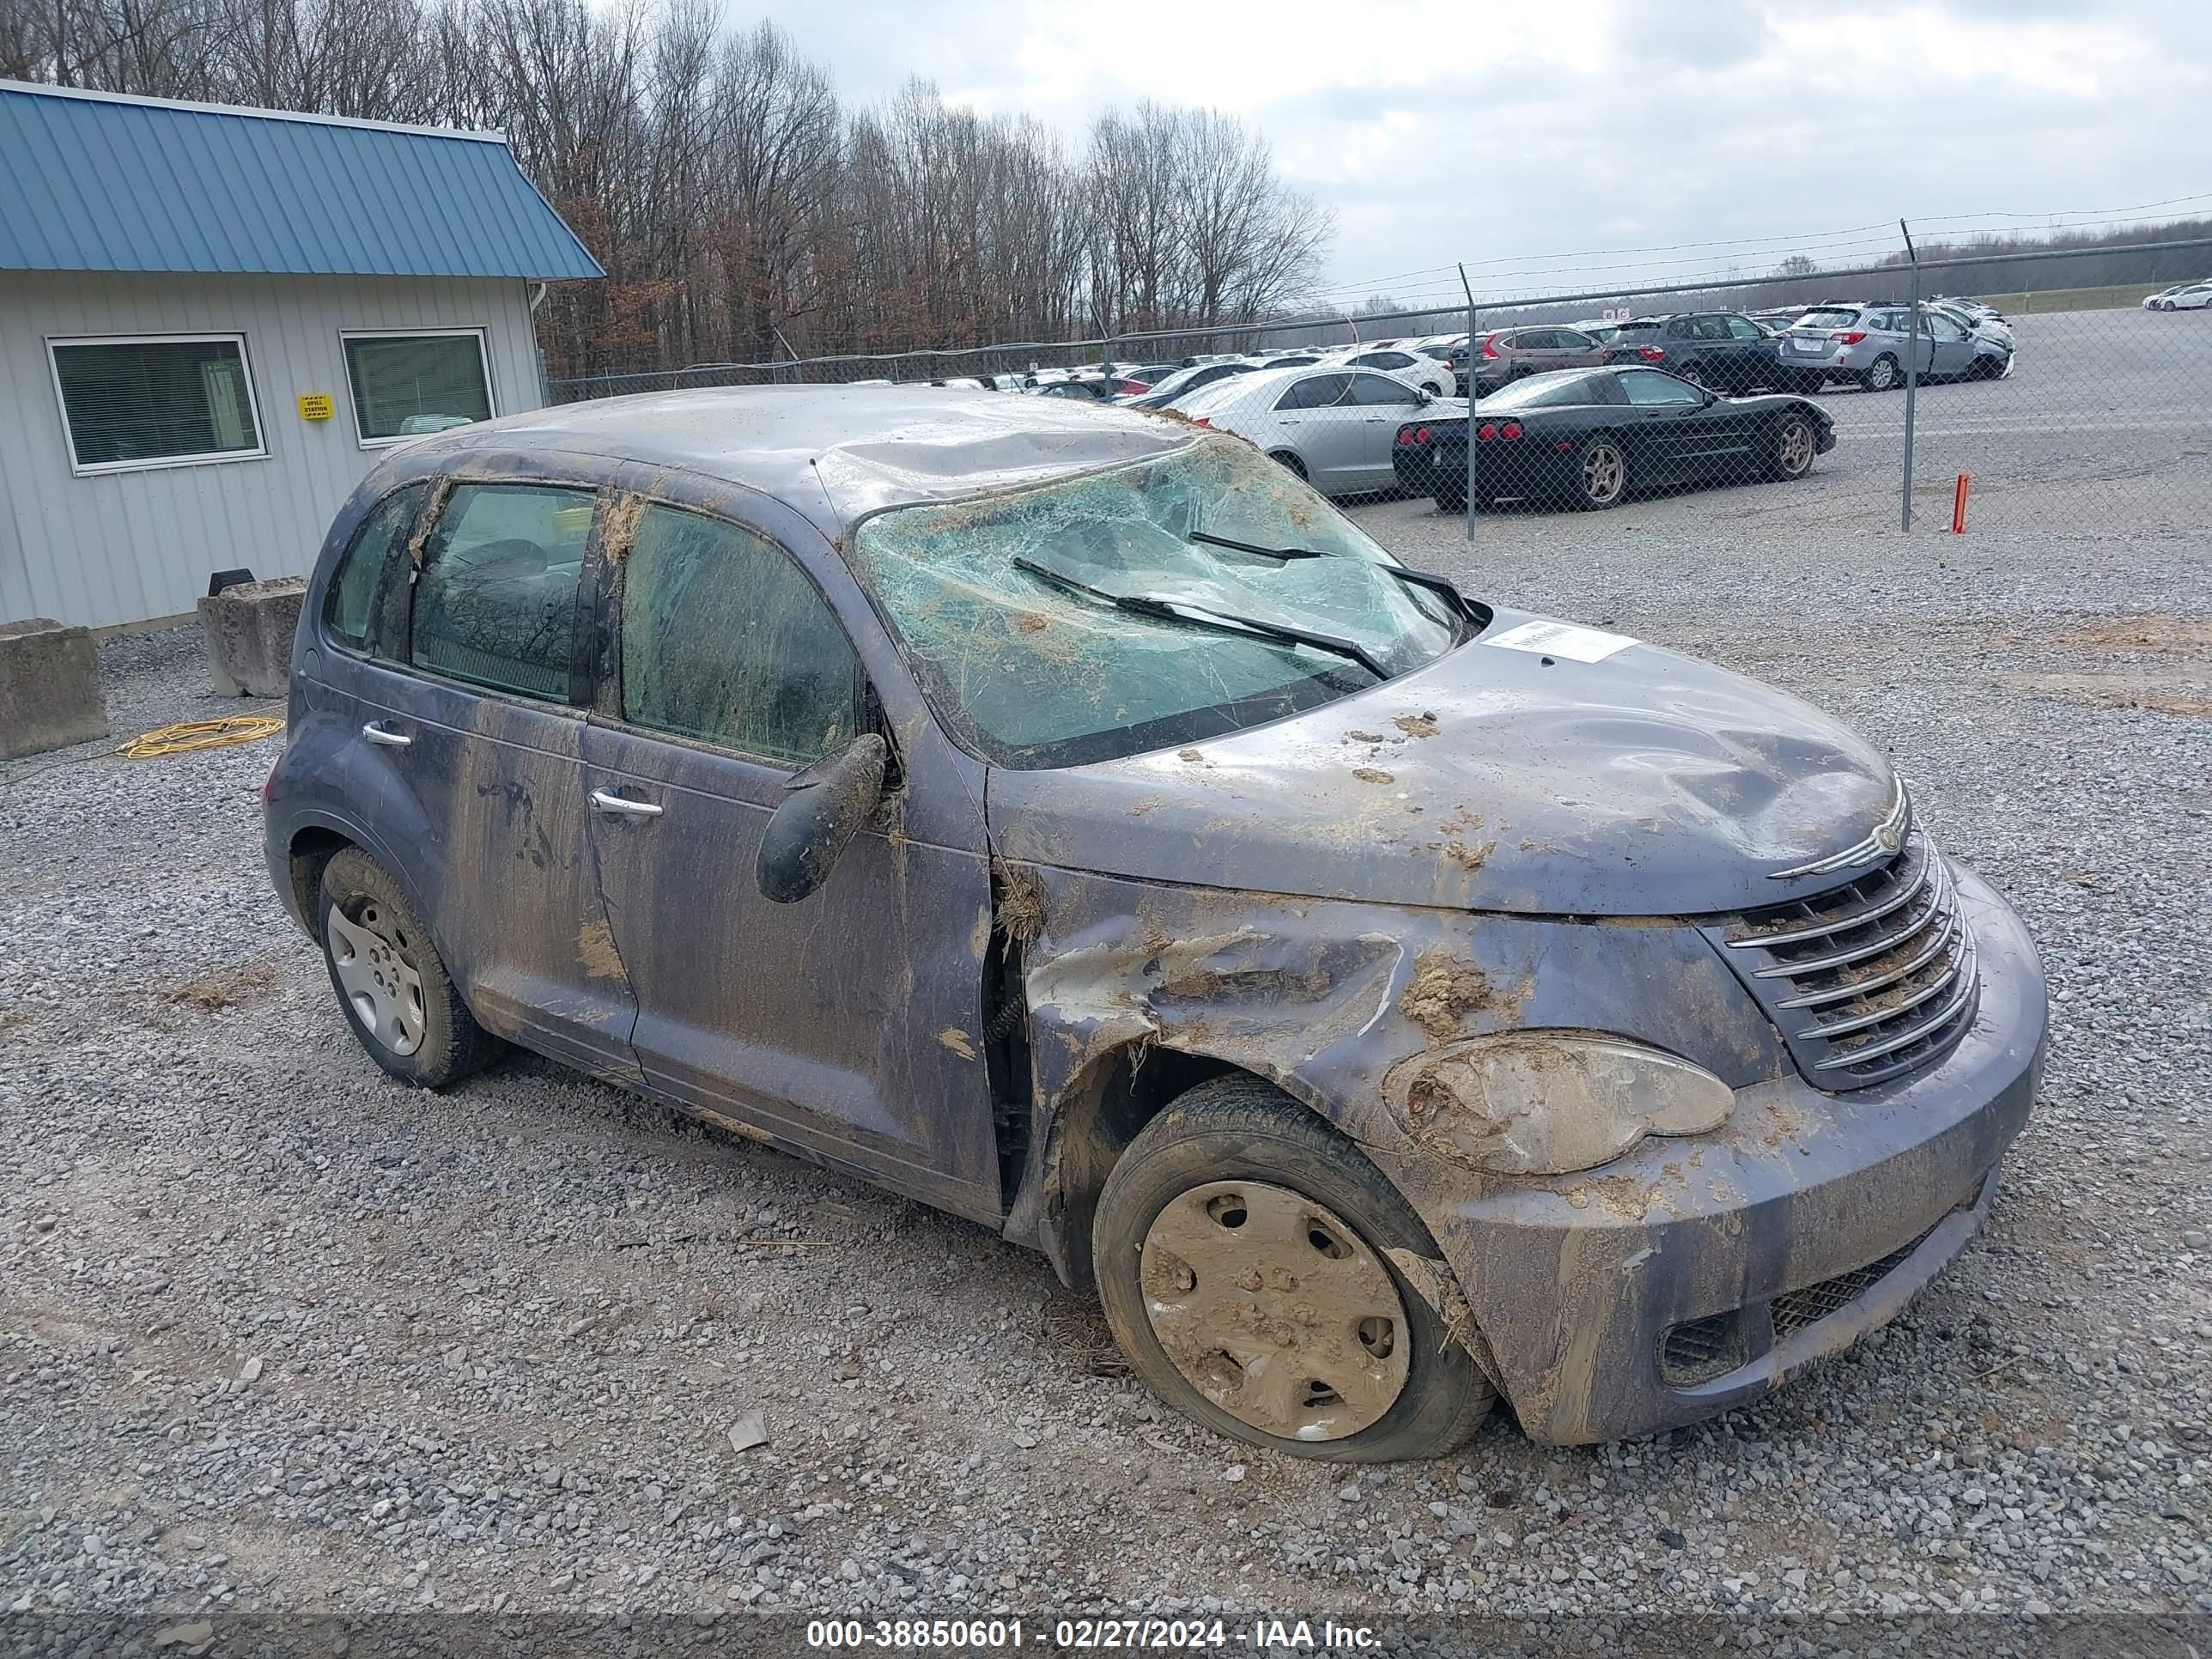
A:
[(1868, 981), (1702, 1349), (1793, 1310)]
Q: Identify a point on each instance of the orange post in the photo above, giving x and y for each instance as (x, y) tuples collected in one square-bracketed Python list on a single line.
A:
[(1959, 507)]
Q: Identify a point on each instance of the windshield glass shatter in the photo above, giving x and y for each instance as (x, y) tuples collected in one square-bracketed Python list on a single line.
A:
[(1030, 674)]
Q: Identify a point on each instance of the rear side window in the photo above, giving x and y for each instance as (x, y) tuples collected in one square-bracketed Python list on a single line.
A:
[(495, 604), (725, 640), (1742, 328), (350, 605)]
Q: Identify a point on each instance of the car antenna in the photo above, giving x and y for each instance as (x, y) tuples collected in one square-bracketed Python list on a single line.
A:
[(829, 500)]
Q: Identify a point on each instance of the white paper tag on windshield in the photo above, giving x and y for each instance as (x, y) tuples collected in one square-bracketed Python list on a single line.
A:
[(1555, 639)]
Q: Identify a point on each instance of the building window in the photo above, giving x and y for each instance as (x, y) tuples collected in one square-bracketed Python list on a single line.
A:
[(406, 385), (156, 400)]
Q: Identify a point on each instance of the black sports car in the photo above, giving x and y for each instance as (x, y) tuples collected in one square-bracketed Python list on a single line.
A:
[(1590, 435)]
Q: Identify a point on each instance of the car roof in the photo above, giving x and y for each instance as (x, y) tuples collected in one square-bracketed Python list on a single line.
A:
[(833, 454)]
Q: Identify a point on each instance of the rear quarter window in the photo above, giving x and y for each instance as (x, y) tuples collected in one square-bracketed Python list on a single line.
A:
[(348, 608)]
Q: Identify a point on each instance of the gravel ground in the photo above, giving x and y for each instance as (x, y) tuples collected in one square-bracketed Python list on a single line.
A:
[(279, 1334)]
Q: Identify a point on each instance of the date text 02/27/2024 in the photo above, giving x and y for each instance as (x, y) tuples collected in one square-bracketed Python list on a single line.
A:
[(972, 1636)]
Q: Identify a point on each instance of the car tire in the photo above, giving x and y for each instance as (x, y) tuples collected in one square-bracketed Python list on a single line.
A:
[(1285, 458), (2165, 304), (389, 980), (1791, 444), (1698, 374), (1236, 1152), (1451, 500), (1598, 458), (1883, 374)]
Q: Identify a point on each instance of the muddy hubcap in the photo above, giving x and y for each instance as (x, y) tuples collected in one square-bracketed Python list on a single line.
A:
[(1602, 472), (1275, 1310), (375, 970), (1796, 447)]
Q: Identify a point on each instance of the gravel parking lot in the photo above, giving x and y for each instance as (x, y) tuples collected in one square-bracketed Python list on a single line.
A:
[(278, 1332)]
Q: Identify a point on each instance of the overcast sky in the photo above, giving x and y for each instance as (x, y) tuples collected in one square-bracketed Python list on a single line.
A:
[(1508, 135)]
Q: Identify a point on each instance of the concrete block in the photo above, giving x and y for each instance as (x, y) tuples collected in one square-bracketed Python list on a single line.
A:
[(249, 631), (49, 688)]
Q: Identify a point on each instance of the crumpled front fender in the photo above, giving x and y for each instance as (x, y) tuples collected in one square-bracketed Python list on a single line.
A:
[(1321, 998)]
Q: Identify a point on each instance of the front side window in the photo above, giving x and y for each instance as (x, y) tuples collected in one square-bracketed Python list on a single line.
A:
[(407, 384), (1569, 339), (725, 640), (1374, 389), (1649, 385), (1030, 617), (163, 400), (496, 601), (351, 604)]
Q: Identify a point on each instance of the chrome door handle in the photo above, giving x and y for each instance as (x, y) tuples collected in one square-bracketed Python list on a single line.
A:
[(623, 807), (376, 733)]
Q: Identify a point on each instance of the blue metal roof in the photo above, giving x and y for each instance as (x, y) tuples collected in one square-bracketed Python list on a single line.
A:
[(98, 182)]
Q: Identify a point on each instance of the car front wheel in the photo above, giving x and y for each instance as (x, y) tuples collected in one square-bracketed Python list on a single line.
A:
[(1254, 1264), (389, 980)]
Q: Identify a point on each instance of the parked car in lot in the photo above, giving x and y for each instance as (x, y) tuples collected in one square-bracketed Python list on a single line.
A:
[(1092, 388), (1012, 829), (1411, 367), (1721, 349), (2196, 297), (1587, 438), (1184, 381), (1331, 426), (1502, 356), (1995, 328), (1602, 332), (1870, 346)]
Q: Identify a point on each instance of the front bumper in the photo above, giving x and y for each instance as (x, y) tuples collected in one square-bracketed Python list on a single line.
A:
[(1575, 1282)]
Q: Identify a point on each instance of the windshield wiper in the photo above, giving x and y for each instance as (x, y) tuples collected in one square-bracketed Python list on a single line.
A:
[(1220, 621), (1213, 540), (1413, 578)]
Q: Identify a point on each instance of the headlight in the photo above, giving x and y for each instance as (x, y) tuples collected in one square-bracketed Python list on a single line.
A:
[(1547, 1103)]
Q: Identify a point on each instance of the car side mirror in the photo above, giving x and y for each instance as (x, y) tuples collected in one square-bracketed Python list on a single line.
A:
[(1422, 394), (824, 808)]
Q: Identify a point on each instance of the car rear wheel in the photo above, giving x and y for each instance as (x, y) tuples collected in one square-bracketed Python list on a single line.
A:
[(1284, 457), (1601, 477), (1250, 1261), (1451, 500), (1882, 374), (1792, 446), (1698, 374), (390, 980)]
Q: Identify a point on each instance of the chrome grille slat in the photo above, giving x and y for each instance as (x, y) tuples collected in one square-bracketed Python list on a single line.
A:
[(1890, 1045), (1894, 985), (1824, 929), (1861, 987), (1798, 968)]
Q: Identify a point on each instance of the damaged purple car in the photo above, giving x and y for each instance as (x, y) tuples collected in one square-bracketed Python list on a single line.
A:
[(1066, 818)]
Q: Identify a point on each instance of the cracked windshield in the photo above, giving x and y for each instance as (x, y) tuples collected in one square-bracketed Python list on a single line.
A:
[(1110, 614)]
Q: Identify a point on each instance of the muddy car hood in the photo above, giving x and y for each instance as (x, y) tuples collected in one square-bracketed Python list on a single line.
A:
[(1645, 783)]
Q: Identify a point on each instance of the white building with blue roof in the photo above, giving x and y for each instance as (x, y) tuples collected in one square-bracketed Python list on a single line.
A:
[(213, 321)]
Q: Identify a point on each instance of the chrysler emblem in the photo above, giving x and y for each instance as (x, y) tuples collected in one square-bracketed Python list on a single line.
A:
[(1881, 841)]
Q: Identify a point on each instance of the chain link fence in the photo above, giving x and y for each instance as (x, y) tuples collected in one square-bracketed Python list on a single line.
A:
[(1970, 393)]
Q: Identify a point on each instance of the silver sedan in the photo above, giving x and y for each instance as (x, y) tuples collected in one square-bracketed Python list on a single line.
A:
[(1333, 426)]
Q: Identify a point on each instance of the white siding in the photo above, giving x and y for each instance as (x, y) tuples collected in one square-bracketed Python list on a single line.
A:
[(123, 547)]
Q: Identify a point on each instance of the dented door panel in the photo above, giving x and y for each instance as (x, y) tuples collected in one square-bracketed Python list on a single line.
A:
[(507, 885)]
